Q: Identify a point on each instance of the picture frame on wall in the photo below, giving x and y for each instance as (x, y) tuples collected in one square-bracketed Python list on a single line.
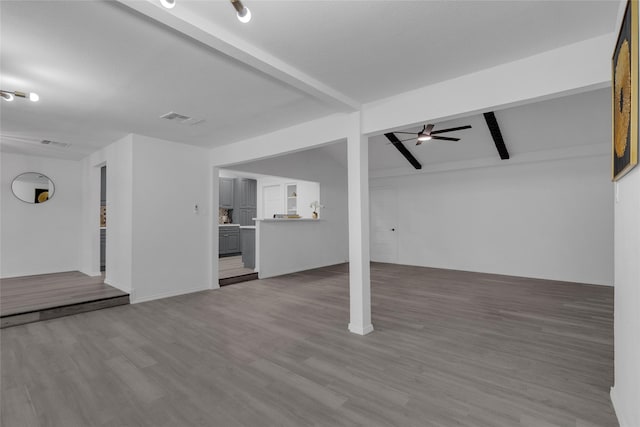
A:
[(624, 64), (41, 195)]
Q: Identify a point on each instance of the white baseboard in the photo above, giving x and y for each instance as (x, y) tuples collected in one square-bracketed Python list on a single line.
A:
[(92, 274), (360, 330), (136, 299), (617, 409)]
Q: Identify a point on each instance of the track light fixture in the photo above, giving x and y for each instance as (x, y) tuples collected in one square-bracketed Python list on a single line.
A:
[(243, 12), (10, 95)]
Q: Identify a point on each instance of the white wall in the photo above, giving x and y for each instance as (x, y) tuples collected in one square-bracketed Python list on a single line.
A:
[(156, 245), (626, 392), (171, 243), (119, 247), (40, 238), (290, 247), (549, 220)]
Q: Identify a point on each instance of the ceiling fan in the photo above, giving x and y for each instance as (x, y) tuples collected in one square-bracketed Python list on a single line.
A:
[(427, 134)]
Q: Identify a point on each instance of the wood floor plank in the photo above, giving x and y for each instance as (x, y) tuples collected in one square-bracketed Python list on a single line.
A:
[(232, 266), (27, 294), (450, 348)]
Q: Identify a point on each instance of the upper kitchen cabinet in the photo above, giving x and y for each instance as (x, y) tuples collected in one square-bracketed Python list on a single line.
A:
[(248, 192), (246, 201), (103, 186), (245, 216), (291, 192), (226, 193)]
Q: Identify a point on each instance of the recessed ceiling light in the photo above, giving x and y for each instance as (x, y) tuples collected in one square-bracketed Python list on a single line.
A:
[(7, 96), (169, 4), (34, 97)]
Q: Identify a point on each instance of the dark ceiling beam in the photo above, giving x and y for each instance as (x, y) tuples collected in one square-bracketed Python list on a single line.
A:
[(492, 123), (403, 150)]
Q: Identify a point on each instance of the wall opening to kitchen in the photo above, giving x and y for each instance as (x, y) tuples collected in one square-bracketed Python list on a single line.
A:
[(245, 199)]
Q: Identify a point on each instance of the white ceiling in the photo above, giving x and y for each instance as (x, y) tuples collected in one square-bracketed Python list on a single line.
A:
[(582, 119), (373, 49), (577, 120), (103, 70)]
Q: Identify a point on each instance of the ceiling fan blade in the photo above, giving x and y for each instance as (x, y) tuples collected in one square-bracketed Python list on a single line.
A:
[(408, 133), (445, 138), (428, 129), (435, 132)]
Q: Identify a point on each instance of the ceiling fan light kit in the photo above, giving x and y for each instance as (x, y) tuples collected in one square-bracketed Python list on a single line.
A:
[(9, 96), (428, 134), (243, 12)]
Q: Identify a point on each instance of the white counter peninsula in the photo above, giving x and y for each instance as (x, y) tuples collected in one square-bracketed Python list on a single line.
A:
[(286, 245)]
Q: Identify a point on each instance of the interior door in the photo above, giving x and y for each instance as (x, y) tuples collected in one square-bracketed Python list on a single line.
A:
[(272, 200), (383, 223)]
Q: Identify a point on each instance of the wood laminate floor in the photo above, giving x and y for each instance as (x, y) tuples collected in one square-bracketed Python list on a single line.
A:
[(450, 349), (33, 293), (232, 266)]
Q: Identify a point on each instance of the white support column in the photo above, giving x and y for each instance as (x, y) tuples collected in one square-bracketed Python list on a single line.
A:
[(359, 274)]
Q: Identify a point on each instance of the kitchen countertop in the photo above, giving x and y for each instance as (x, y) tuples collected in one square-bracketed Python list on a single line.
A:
[(287, 219), (248, 226), (228, 225)]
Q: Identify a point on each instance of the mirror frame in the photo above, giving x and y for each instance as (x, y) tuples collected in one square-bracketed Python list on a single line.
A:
[(33, 203)]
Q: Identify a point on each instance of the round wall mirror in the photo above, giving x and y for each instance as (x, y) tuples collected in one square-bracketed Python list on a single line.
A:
[(32, 187)]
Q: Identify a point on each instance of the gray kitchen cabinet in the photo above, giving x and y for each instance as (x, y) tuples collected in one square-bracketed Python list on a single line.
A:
[(103, 248), (226, 193), (228, 240), (103, 186), (253, 194), (246, 201), (222, 244), (248, 193), (248, 237), (245, 216)]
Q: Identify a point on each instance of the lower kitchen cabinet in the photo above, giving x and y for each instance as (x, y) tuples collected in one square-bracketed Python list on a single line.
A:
[(103, 248), (228, 240), (248, 236)]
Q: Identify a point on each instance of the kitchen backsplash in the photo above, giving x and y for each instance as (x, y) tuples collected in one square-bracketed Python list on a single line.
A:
[(224, 216)]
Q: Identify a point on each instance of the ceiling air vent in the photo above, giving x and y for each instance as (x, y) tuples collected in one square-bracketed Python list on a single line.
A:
[(182, 119), (55, 143), (175, 116)]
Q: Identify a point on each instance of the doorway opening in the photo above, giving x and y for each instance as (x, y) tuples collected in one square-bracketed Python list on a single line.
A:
[(103, 219), (247, 199), (238, 201)]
